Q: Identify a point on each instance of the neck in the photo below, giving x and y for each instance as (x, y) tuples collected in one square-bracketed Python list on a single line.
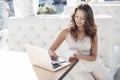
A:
[(80, 29)]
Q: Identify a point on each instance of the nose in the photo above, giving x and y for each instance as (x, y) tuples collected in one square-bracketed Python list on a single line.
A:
[(79, 19)]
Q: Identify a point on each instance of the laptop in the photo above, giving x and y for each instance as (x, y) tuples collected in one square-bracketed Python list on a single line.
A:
[(40, 57)]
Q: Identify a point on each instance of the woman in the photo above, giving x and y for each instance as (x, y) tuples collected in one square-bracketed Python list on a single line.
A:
[(82, 38)]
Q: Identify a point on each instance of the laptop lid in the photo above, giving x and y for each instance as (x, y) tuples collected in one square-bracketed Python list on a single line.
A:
[(40, 57)]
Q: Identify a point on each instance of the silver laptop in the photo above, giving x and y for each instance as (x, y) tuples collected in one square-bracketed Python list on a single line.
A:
[(40, 57)]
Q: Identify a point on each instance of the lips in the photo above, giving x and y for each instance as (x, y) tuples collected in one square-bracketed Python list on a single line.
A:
[(78, 23)]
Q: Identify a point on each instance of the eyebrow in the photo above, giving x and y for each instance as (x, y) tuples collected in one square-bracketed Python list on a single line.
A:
[(81, 16)]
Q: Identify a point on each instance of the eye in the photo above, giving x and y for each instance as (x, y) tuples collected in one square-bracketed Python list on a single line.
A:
[(83, 18), (76, 17)]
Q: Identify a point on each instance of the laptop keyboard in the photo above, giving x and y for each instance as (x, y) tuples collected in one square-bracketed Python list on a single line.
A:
[(56, 65)]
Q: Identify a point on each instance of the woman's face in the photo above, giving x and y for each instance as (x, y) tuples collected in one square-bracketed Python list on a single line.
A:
[(80, 18)]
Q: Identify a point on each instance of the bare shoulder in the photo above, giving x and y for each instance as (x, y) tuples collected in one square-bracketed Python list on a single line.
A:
[(65, 31)]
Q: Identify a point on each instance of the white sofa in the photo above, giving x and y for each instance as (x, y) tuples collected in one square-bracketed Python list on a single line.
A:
[(42, 31)]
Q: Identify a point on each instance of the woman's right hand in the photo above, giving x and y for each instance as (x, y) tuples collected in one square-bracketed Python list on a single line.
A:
[(52, 55)]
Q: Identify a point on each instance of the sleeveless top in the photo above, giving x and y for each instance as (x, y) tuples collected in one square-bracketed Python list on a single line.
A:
[(82, 46)]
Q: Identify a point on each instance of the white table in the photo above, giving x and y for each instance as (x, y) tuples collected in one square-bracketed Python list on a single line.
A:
[(15, 66)]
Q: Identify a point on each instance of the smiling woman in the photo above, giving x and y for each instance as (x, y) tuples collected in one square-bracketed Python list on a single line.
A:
[(82, 37)]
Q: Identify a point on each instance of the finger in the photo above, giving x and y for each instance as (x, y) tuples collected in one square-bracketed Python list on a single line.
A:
[(54, 57), (76, 56)]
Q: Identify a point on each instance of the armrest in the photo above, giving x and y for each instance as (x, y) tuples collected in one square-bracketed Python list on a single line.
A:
[(116, 57)]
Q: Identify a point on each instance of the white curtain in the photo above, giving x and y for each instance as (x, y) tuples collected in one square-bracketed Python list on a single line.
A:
[(35, 6), (24, 8)]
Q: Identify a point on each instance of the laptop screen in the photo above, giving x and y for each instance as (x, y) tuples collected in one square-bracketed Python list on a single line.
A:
[(55, 65)]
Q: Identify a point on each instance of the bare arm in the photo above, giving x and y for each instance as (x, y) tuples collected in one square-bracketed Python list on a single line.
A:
[(56, 44), (93, 55)]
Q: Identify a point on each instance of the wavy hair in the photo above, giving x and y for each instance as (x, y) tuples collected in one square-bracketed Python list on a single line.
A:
[(89, 28)]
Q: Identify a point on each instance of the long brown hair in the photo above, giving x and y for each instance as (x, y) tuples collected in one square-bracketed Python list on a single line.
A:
[(89, 28)]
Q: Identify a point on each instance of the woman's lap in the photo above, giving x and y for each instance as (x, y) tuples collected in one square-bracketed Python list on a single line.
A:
[(79, 76), (98, 72)]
